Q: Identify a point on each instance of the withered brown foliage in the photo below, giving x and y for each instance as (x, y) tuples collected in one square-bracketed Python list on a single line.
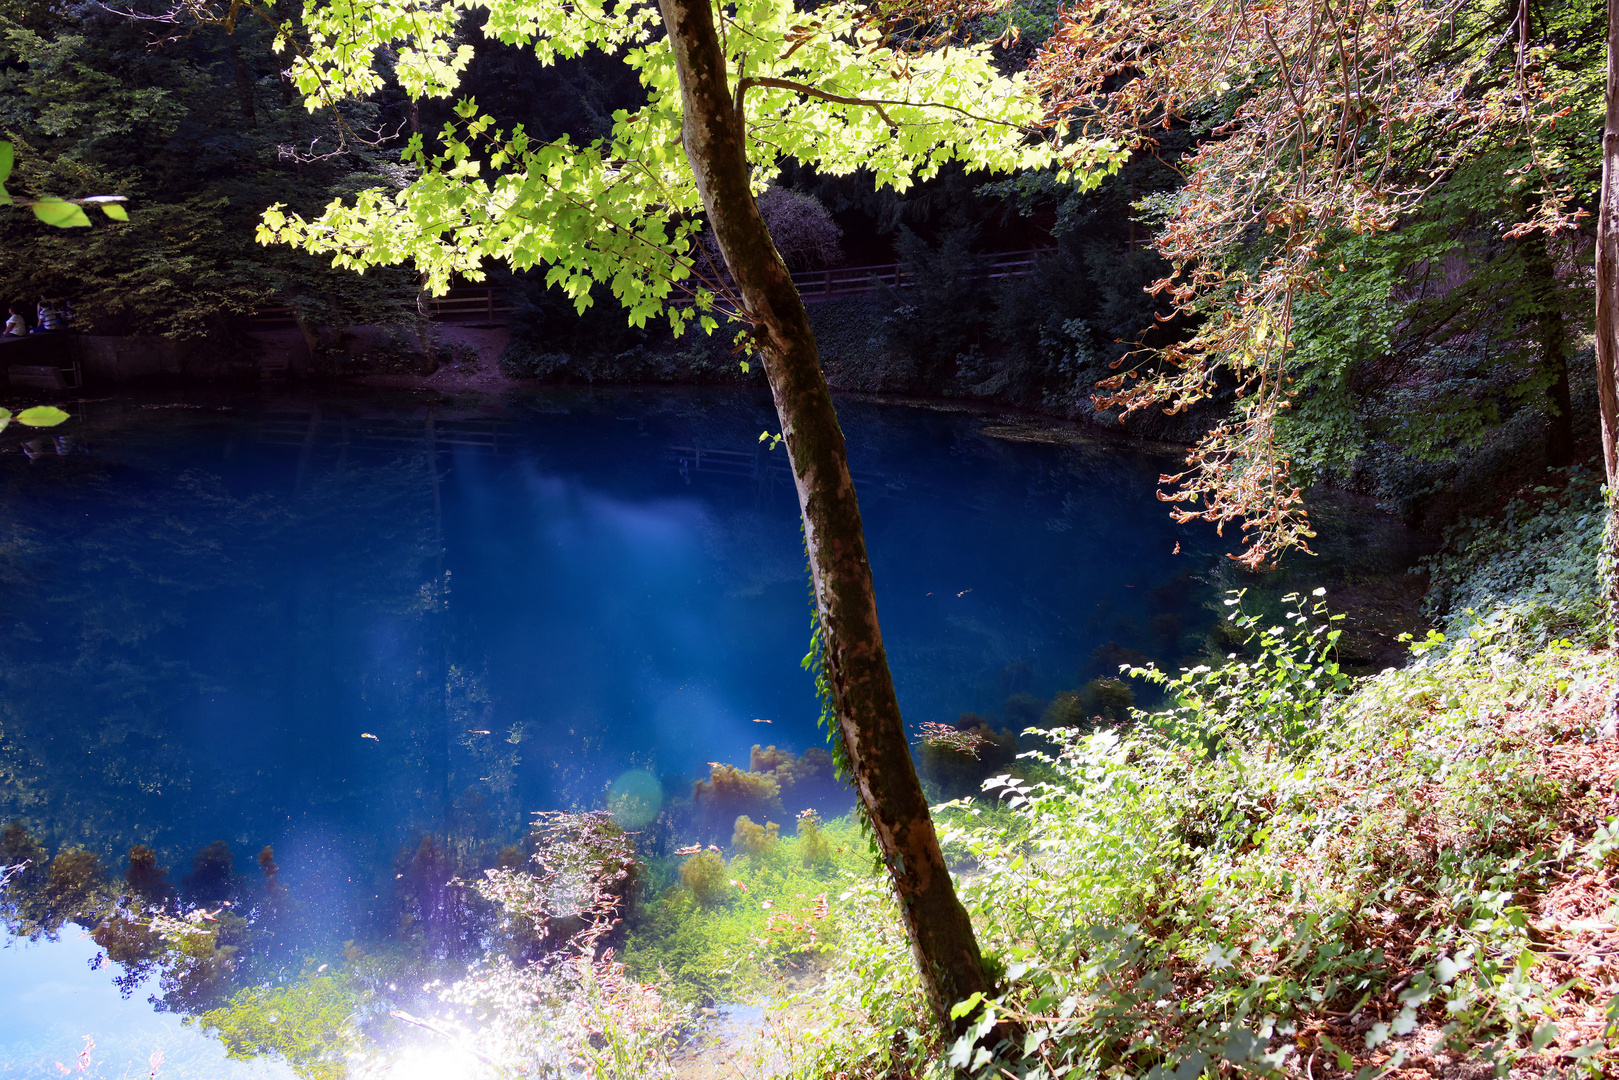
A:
[(1324, 118)]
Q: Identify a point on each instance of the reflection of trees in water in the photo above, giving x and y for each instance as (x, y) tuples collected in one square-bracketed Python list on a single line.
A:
[(209, 949), (133, 605)]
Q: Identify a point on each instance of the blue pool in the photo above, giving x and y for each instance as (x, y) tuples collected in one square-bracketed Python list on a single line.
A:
[(338, 627)]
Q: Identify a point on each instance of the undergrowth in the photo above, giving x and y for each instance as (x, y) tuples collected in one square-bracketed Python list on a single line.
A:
[(1283, 874), (1531, 568)]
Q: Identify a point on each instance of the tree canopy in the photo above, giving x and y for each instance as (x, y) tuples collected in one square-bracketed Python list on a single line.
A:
[(833, 89), (1322, 122)]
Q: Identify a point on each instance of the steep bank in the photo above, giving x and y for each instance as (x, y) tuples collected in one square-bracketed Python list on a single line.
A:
[(1291, 873)]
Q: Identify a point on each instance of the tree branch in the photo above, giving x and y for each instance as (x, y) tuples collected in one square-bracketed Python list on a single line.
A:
[(871, 103)]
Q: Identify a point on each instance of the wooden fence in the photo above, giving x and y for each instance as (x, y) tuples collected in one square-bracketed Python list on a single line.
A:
[(481, 303)]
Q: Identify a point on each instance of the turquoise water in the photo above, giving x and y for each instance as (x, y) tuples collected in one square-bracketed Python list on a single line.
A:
[(333, 628)]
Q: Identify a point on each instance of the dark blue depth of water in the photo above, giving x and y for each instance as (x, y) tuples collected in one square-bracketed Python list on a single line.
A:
[(333, 627)]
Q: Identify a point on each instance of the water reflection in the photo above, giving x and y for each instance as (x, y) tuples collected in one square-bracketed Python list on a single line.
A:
[(274, 676), (54, 993)]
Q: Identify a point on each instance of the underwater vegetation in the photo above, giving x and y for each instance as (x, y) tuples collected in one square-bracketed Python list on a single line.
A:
[(777, 783), (703, 876), (581, 913), (957, 758), (729, 929), (756, 840)]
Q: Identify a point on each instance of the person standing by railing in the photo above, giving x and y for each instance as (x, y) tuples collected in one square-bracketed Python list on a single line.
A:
[(46, 316), (15, 325)]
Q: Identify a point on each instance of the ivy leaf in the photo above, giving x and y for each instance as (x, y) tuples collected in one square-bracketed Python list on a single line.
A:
[(62, 214), (5, 161), (41, 416), (962, 1008), (114, 211), (1217, 957)]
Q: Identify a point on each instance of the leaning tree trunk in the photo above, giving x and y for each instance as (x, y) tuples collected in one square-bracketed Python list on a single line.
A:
[(1607, 334), (868, 717), (244, 82), (1552, 337)]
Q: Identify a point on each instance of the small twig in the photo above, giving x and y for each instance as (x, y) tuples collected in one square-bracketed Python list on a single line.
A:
[(871, 103), (429, 1025)]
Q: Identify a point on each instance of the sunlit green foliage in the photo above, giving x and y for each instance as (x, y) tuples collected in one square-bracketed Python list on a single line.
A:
[(1283, 692), (308, 1022), (1279, 867), (62, 213), (621, 211), (38, 416)]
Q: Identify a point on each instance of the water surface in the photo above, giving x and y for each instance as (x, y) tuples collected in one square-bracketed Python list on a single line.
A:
[(337, 628)]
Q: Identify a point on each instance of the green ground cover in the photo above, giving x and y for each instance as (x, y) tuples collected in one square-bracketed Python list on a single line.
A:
[(1289, 872)]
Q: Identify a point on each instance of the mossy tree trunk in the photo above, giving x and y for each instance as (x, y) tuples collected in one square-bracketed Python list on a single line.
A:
[(941, 934), (1607, 335)]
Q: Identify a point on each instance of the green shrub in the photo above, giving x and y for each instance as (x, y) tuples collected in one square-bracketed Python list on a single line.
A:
[(1284, 694), (1279, 865), (850, 335), (1533, 566)]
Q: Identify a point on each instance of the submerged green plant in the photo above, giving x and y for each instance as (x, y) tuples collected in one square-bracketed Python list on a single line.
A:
[(755, 840), (310, 1022), (765, 916), (704, 877), (813, 847)]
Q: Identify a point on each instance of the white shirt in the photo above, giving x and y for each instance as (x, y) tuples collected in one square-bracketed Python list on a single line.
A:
[(14, 326)]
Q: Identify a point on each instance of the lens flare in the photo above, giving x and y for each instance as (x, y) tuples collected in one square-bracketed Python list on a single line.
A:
[(424, 1063), (634, 799)]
